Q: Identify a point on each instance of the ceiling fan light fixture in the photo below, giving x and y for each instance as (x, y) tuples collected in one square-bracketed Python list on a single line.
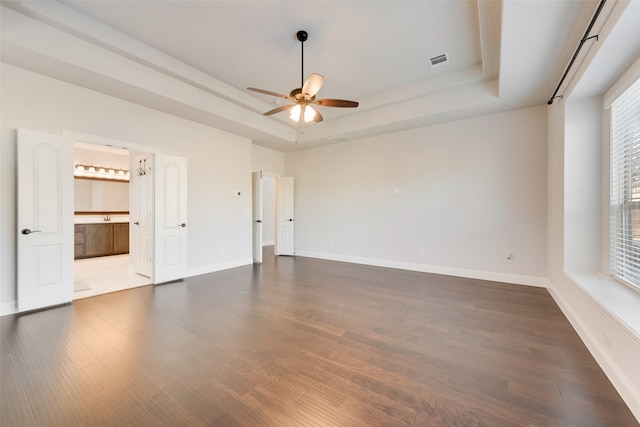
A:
[(305, 95), (309, 113)]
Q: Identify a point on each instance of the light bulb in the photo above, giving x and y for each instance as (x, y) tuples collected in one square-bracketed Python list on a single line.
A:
[(309, 113), (295, 113)]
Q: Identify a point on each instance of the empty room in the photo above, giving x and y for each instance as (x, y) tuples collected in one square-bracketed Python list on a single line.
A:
[(320, 213)]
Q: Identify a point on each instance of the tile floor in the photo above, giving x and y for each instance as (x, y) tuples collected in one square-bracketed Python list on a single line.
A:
[(96, 276)]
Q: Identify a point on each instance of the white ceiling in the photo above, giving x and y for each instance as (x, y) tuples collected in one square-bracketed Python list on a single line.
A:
[(195, 59)]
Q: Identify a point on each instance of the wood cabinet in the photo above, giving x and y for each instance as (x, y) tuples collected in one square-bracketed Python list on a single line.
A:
[(79, 241), (102, 239), (98, 239), (121, 238)]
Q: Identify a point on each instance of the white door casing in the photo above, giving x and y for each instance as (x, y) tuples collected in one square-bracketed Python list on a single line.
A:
[(45, 220), (256, 187), (285, 216), (170, 197), (141, 210)]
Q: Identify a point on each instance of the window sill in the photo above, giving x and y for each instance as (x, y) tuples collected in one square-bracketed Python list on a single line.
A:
[(621, 302)]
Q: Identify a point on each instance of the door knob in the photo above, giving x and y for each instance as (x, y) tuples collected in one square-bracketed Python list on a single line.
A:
[(183, 225), (26, 231), (259, 221), (291, 219), (136, 223)]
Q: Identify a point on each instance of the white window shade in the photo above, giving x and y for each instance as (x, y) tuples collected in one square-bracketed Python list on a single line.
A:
[(625, 186)]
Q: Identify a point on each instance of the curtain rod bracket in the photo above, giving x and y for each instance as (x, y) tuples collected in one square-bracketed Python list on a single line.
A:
[(554, 98)]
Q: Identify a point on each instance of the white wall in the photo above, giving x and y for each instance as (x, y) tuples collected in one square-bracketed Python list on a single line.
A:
[(453, 198), (583, 184), (219, 221), (269, 161)]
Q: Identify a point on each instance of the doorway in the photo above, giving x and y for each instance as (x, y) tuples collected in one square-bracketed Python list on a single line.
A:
[(45, 210), (264, 213), (99, 205)]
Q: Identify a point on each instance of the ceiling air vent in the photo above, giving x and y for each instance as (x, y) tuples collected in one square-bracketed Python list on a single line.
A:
[(439, 60), (339, 138)]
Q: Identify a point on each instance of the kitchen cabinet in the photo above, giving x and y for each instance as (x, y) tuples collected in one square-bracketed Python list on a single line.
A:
[(101, 239)]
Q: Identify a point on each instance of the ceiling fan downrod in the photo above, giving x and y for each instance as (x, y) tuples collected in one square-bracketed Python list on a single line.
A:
[(302, 37)]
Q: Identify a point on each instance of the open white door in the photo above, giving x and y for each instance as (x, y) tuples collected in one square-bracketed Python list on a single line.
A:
[(141, 210), (170, 261), (256, 187), (45, 220), (284, 213)]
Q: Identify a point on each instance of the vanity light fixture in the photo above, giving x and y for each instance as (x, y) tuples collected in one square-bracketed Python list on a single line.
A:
[(100, 172)]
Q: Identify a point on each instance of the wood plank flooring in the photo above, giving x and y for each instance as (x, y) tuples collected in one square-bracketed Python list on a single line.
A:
[(305, 342)]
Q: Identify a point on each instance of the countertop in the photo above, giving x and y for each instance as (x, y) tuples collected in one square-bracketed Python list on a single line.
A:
[(99, 219)]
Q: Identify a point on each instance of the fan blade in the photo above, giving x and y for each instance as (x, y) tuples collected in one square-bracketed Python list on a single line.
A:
[(336, 103), (279, 109), (318, 117), (312, 85), (267, 92)]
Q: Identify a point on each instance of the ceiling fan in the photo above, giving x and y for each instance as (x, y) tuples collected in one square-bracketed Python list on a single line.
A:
[(305, 96)]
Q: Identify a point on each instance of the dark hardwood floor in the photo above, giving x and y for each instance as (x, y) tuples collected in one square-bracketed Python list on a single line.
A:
[(305, 342)]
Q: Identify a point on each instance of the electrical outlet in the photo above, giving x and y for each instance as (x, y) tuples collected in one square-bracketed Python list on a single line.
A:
[(421, 251), (331, 243), (508, 258)]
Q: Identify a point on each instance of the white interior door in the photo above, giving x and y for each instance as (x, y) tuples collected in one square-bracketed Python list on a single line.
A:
[(141, 214), (256, 188), (45, 220), (285, 216), (170, 261)]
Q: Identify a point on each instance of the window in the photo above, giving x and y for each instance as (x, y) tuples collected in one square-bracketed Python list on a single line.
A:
[(625, 186)]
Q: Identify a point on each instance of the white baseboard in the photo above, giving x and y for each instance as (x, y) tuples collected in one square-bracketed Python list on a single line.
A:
[(219, 267), (268, 243), (8, 307), (620, 381), (516, 279)]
